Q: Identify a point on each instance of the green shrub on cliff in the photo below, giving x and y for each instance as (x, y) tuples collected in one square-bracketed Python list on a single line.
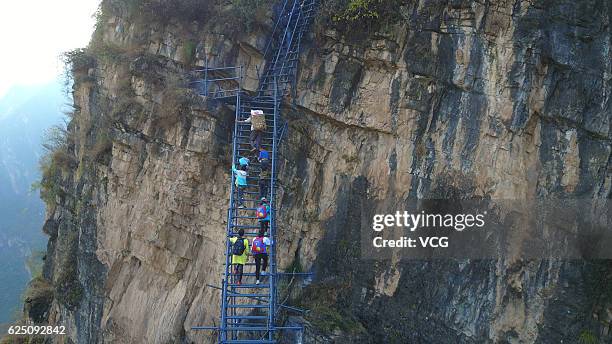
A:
[(106, 52), (359, 9), (78, 60), (360, 14), (159, 11), (327, 312), (247, 12), (77, 63), (587, 337), (54, 163), (189, 51), (66, 286), (229, 16), (38, 298)]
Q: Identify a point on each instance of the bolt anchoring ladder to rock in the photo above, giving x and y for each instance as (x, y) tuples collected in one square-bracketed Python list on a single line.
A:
[(248, 311)]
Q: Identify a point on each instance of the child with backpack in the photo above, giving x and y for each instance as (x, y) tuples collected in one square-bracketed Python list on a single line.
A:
[(240, 251), (264, 174), (244, 162), (260, 253), (240, 174), (263, 215), (264, 157)]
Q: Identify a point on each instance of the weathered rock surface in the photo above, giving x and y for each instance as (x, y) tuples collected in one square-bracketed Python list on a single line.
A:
[(496, 99)]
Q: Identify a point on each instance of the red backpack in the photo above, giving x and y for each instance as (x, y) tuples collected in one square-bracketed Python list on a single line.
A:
[(258, 246), (262, 211)]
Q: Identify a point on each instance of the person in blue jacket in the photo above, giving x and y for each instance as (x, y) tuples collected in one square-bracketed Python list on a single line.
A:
[(244, 162), (240, 174)]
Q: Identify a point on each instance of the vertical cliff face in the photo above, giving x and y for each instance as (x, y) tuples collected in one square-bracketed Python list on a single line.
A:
[(503, 100)]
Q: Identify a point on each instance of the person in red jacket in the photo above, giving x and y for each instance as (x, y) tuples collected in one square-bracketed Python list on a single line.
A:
[(259, 250)]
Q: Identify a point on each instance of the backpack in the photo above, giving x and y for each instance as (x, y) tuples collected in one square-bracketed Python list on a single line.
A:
[(262, 211), (258, 119), (258, 246), (264, 155), (238, 247), (264, 173)]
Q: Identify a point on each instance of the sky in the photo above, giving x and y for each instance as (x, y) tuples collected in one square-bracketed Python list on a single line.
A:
[(33, 35)]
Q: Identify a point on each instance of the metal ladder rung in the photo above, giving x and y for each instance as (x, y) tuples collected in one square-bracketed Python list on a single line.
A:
[(249, 295), (253, 329), (244, 227), (251, 286), (261, 285), (248, 317), (247, 264), (248, 306), (245, 217)]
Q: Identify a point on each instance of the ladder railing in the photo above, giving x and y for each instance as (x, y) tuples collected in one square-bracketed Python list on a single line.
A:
[(217, 83), (272, 226), (230, 222), (274, 30), (283, 63)]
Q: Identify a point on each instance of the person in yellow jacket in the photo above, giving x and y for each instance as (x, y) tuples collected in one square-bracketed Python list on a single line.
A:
[(240, 254)]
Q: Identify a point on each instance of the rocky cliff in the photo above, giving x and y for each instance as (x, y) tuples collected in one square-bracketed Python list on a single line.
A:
[(496, 99)]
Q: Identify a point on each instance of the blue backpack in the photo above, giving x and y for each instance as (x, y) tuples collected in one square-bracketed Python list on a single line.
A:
[(238, 247), (263, 154)]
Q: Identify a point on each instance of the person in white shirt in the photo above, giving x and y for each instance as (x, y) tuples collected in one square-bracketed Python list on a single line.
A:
[(256, 135)]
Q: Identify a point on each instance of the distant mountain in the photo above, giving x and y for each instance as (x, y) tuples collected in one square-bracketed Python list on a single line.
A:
[(26, 112)]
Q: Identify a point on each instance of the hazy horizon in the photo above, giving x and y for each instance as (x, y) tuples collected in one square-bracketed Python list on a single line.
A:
[(25, 113), (36, 43)]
